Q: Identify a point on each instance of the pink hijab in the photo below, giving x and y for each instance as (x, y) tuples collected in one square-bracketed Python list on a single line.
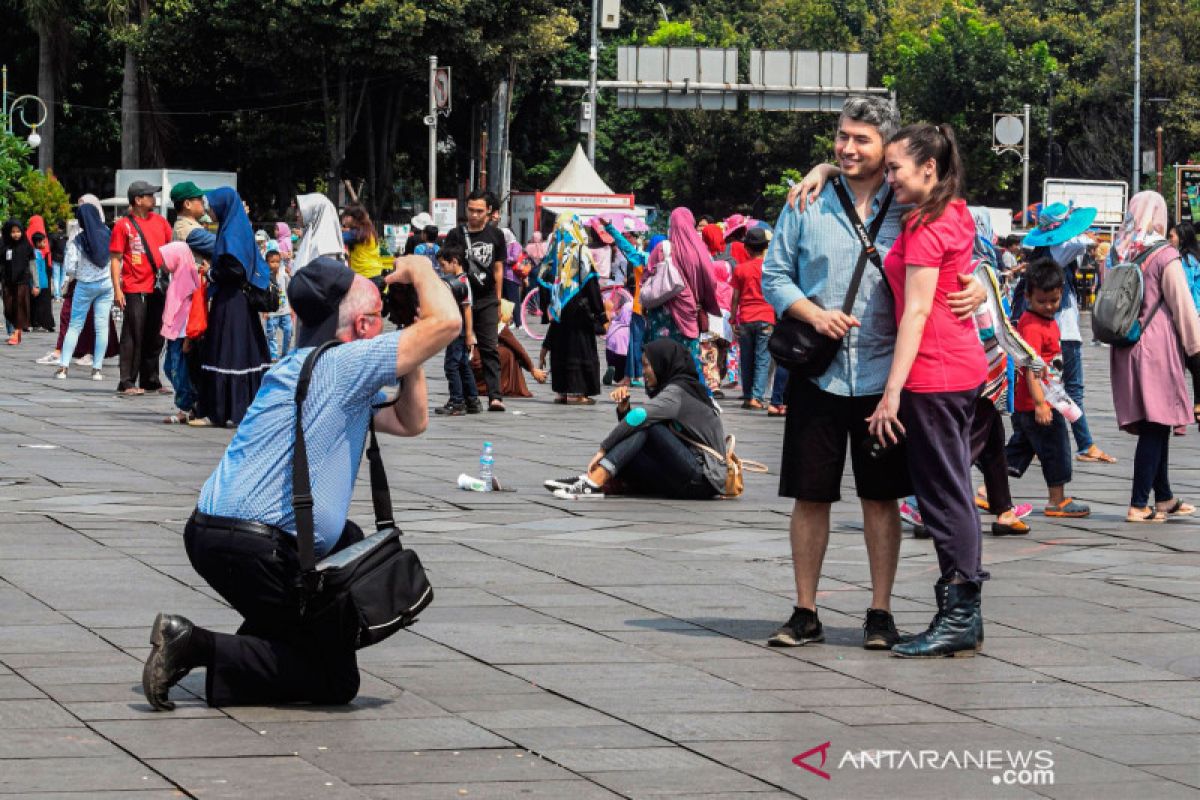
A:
[(1145, 224), (177, 260), (690, 257), (283, 237)]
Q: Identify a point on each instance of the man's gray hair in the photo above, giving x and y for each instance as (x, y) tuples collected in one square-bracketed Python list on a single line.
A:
[(876, 111), (360, 299)]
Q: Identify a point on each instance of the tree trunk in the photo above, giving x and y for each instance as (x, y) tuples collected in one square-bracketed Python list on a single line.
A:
[(130, 118), (46, 92)]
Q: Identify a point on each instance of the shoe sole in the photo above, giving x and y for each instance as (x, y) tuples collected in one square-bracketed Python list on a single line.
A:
[(554, 486), (877, 644), (777, 641), (956, 654), (156, 643)]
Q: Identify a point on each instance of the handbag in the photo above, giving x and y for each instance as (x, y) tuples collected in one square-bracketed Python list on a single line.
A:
[(262, 301), (162, 278), (662, 282), (735, 467), (197, 321), (376, 586), (799, 346)]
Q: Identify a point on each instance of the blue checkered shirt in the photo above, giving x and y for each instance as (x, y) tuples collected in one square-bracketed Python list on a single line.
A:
[(254, 479), (812, 255)]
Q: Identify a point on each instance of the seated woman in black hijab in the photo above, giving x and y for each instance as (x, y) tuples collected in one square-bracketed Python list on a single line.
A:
[(655, 448)]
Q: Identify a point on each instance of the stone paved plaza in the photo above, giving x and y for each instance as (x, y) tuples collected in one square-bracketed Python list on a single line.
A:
[(584, 650)]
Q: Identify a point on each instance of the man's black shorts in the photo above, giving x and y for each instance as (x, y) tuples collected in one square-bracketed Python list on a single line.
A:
[(818, 430)]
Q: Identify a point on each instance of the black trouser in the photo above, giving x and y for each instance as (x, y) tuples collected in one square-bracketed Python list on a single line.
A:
[(1151, 465), (653, 461), (276, 656), (141, 341), (939, 461), (987, 450), (484, 322)]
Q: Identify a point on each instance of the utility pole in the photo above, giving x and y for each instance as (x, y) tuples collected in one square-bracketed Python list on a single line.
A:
[(431, 122), (1158, 159), (593, 58), (1025, 169), (1137, 97)]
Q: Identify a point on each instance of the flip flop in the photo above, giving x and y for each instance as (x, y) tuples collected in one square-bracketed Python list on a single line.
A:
[(1094, 455), (1017, 528), (176, 419), (132, 391), (580, 401), (1146, 515), (1179, 509), (776, 411)]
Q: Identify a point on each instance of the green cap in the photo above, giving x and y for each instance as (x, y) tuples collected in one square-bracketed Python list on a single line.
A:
[(185, 191)]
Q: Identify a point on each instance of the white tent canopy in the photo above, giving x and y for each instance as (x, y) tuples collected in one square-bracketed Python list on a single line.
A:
[(579, 177)]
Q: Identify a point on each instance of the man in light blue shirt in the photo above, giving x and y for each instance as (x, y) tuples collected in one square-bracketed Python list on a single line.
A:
[(242, 536), (806, 274)]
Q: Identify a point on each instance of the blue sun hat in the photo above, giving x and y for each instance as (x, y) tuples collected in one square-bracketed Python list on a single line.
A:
[(1059, 223)]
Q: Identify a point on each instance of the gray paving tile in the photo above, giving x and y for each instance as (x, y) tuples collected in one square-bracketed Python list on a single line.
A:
[(440, 766), (160, 735), (118, 773), (235, 778), (385, 735), (497, 790)]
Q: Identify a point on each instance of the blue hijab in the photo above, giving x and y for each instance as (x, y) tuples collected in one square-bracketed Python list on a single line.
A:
[(94, 236), (235, 238)]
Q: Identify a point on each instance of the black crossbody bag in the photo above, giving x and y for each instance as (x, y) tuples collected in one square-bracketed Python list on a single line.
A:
[(796, 344), (375, 586), (162, 278)]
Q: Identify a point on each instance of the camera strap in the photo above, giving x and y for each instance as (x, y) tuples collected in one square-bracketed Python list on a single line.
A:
[(302, 499)]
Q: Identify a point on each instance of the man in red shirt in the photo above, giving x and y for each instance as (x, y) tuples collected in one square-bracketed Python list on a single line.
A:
[(753, 319), (135, 263)]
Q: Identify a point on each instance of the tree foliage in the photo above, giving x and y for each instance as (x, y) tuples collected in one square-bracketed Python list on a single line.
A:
[(41, 193)]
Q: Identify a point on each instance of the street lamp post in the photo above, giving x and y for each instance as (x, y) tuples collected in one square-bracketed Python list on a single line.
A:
[(1137, 97), (17, 106)]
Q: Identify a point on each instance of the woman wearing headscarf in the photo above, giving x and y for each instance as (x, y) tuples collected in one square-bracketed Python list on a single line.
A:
[(576, 314), (322, 230), (234, 355), (14, 279), (513, 359), (685, 316), (283, 239), (666, 446), (86, 262), (718, 346), (41, 307), (1150, 393)]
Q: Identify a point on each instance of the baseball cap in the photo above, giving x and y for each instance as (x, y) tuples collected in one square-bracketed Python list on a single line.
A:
[(184, 191), (139, 188), (756, 238), (314, 293)]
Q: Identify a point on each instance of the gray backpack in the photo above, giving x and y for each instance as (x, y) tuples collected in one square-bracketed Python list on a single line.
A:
[(1115, 316)]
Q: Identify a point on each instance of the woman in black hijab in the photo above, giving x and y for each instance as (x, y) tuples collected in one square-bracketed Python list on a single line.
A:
[(14, 279), (669, 446)]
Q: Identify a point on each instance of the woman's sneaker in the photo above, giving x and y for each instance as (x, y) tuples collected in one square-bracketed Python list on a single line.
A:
[(48, 359), (910, 515), (84, 360), (97, 375), (581, 489), (61, 373), (802, 628)]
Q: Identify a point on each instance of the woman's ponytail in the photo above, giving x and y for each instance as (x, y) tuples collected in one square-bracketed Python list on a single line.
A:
[(937, 142)]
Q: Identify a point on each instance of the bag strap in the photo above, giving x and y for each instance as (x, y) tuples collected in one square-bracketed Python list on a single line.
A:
[(302, 499), (1139, 260), (145, 242), (865, 236)]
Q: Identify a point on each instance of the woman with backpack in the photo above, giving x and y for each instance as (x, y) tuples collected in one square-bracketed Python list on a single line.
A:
[(1149, 389)]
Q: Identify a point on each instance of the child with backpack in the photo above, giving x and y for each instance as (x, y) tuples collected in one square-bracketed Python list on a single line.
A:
[(1039, 429)]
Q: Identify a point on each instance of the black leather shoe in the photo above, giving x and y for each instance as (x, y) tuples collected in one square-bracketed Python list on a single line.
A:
[(905, 638), (165, 667), (952, 633)]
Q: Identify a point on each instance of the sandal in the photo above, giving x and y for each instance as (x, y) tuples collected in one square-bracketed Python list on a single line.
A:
[(1178, 509), (181, 418), (776, 411), (1067, 508), (1017, 528), (132, 391), (1094, 455), (1146, 514), (752, 405), (200, 422), (496, 405), (560, 400), (581, 400)]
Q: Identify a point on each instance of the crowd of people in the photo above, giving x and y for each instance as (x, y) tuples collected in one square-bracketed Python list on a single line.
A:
[(935, 331)]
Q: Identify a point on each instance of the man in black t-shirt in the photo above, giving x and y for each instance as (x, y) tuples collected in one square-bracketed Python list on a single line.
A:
[(485, 249)]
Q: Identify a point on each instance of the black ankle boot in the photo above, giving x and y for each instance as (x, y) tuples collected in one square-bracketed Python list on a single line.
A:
[(905, 638), (953, 630)]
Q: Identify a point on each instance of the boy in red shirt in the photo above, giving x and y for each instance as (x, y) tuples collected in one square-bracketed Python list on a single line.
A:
[(1037, 427), (753, 320)]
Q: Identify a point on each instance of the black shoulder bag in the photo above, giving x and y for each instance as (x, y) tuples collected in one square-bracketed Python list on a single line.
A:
[(162, 278), (375, 586), (796, 344)]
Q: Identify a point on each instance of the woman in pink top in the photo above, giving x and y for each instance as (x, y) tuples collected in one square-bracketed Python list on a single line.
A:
[(1150, 393), (185, 280), (937, 372)]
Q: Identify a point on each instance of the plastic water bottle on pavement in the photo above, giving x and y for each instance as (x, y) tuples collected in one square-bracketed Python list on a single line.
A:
[(486, 462)]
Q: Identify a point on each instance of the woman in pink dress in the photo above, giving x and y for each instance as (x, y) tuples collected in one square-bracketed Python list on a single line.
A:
[(1149, 388)]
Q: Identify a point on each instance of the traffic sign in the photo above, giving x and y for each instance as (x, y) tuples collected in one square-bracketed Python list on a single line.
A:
[(441, 89)]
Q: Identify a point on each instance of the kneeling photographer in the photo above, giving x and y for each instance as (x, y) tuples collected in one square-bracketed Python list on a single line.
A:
[(243, 537)]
